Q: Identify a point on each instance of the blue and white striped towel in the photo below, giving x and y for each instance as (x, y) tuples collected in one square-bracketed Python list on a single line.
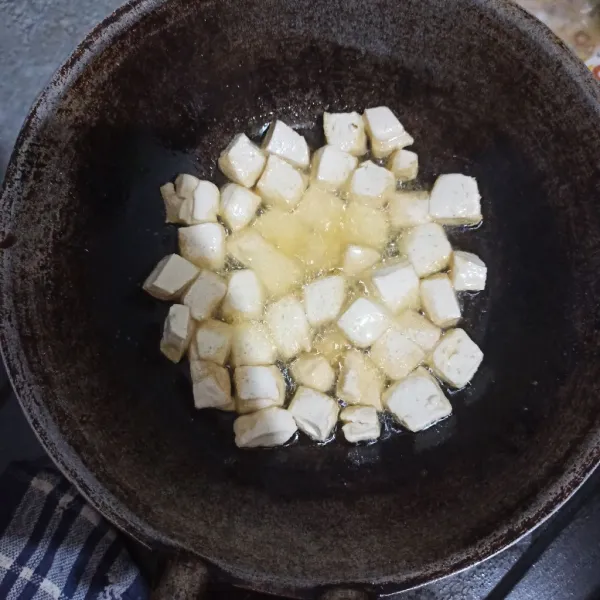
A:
[(54, 546)]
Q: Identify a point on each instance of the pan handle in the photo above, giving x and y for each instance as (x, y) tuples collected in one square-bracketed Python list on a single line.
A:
[(187, 579), (183, 579)]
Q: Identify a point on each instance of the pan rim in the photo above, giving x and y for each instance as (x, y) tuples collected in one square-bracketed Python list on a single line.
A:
[(582, 461)]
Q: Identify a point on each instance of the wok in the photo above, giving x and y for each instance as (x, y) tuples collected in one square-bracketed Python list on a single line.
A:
[(159, 88)]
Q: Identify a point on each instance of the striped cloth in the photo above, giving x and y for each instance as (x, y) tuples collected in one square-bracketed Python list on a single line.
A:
[(54, 546)]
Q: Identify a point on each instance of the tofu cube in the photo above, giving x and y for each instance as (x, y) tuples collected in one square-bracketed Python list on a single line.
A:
[(331, 167), (211, 386), (283, 229), (203, 245), (245, 296), (313, 371), (468, 272), (366, 226), (172, 203), (331, 344), (203, 206), (418, 329), (427, 248), (361, 423), (456, 358), (238, 206), (282, 141), (321, 252), (258, 387), (276, 271), (205, 295), (404, 164), (346, 131), (281, 184), (323, 299), (213, 341), (360, 382), (171, 276), (289, 327), (252, 345), (396, 355), (242, 161), (439, 301), (371, 184), (417, 402), (397, 286), (385, 131), (185, 185), (364, 322), (315, 413), (408, 209), (177, 332), (320, 210), (358, 259), (266, 428), (455, 200)]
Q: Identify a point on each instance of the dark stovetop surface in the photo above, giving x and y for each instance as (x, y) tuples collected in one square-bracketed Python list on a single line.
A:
[(560, 561)]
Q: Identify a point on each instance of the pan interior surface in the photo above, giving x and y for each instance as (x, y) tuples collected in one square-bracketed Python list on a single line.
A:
[(485, 91)]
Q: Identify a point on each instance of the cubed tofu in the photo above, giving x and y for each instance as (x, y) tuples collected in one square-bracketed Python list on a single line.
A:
[(252, 345), (404, 164), (396, 355), (211, 385), (171, 277), (205, 295), (364, 322), (266, 428), (185, 185), (213, 341), (418, 329), (331, 167), (315, 413), (323, 299), (385, 131), (281, 184), (245, 296), (361, 423), (409, 209), (468, 272), (320, 210), (456, 358), (427, 248), (282, 141), (203, 245), (358, 259), (283, 229), (238, 206), (439, 301), (172, 203), (417, 402), (322, 251), (455, 200), (177, 332), (360, 382), (366, 226), (331, 343), (346, 131), (371, 184), (277, 272), (258, 387), (289, 327), (397, 286), (242, 161), (203, 206), (313, 371)]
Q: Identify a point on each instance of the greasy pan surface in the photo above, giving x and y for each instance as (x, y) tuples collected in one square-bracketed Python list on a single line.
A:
[(161, 88)]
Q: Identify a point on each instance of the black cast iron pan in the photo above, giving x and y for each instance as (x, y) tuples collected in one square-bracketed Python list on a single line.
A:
[(159, 88)]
